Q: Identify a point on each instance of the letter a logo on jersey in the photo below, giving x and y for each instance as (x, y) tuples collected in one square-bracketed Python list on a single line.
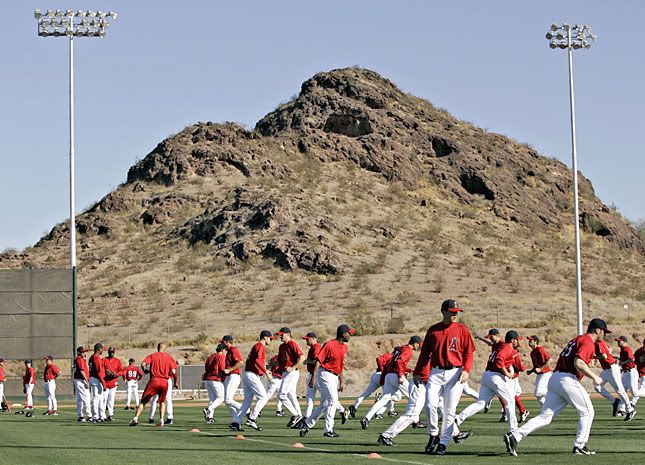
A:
[(453, 344)]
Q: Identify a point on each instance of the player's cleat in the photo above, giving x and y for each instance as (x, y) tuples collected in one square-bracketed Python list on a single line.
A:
[(441, 450), (364, 423), (280, 413), (511, 444), (299, 423), (630, 415), (294, 419), (344, 415), (48, 412), (100, 420), (378, 416), (151, 421), (582, 451), (159, 424), (487, 406), (461, 437), (205, 412), (210, 421), (19, 412), (524, 416), (169, 421), (331, 434), (384, 440), (304, 430), (29, 414), (503, 418), (235, 427), (134, 422), (419, 424), (615, 405), (126, 408), (109, 419), (80, 420), (352, 411), (253, 424), (393, 413), (55, 413), (433, 442)]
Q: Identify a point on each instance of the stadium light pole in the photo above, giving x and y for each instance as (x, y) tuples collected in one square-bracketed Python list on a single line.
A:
[(71, 24), (567, 37)]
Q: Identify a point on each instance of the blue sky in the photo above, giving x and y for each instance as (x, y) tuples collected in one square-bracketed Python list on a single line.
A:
[(168, 64)]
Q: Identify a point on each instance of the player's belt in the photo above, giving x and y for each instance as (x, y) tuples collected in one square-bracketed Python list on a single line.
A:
[(335, 374), (447, 367)]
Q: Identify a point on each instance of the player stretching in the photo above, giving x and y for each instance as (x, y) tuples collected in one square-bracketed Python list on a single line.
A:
[(82, 385), (314, 348), (49, 376), (161, 367), (113, 369), (274, 384), (234, 363), (611, 374), (540, 359), (252, 384), (132, 374), (450, 348), (173, 381), (328, 374), (213, 377), (630, 375), (565, 389), (290, 358), (516, 389)]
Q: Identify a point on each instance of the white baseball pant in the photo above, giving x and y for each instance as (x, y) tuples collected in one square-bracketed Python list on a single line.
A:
[(328, 386), (287, 392), (612, 376), (311, 397), (253, 389), (390, 387), (98, 399), (1, 391), (215, 390), (516, 389), (82, 398), (641, 387), (470, 392), (273, 387), (373, 385), (50, 394), (132, 392), (564, 389), (29, 398), (630, 383), (492, 384), (542, 386), (416, 401), (155, 399), (231, 383), (110, 394), (444, 383)]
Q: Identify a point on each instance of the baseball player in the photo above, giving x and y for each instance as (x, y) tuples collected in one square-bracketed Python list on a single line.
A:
[(28, 382), (161, 367), (639, 357), (173, 381), (113, 369), (394, 377), (497, 380), (450, 348), (82, 385), (97, 384), (132, 374), (290, 358), (213, 380), (49, 377), (234, 363), (630, 374), (518, 367), (540, 359), (314, 347), (611, 374), (252, 384), (4, 405), (328, 374), (274, 384), (565, 389)]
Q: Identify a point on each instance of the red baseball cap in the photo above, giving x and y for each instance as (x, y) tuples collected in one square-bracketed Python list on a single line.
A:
[(81, 350), (533, 338), (310, 335), (451, 306)]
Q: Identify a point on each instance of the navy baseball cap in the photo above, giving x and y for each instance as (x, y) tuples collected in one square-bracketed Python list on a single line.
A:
[(450, 306), (266, 333), (534, 338), (342, 329), (597, 323), (283, 330), (131, 360), (512, 334), (98, 346), (227, 338), (492, 332), (310, 335), (28, 361), (621, 338), (415, 340), (220, 347), (81, 350)]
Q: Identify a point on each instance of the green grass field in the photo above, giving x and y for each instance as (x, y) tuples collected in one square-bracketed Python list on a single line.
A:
[(61, 440)]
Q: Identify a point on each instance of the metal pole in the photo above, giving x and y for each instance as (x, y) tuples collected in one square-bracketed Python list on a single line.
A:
[(576, 213), (72, 192)]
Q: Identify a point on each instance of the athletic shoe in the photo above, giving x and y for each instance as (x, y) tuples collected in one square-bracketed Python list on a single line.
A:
[(304, 430), (511, 444), (19, 412), (344, 415), (461, 437), (80, 420), (487, 406), (419, 424), (393, 413), (100, 420), (55, 413), (384, 440), (280, 413), (630, 415), (433, 442), (352, 411), (235, 427), (29, 414), (294, 419), (160, 424), (331, 434), (169, 421), (615, 405), (109, 419), (151, 421), (524, 416), (378, 416), (503, 418), (364, 423), (441, 450), (299, 423), (253, 425), (126, 408), (48, 412), (582, 451), (134, 422), (205, 412)]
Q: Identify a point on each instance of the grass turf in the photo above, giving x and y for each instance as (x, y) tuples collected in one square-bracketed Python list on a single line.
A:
[(61, 440)]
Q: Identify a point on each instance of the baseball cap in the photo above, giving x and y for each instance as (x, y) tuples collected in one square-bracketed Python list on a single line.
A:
[(451, 306), (310, 335), (227, 338), (621, 338), (266, 333), (98, 346), (342, 329), (131, 360), (492, 332), (81, 350), (512, 334), (283, 330), (597, 323), (1, 360), (220, 347), (48, 357), (533, 338), (111, 349), (415, 340), (28, 361)]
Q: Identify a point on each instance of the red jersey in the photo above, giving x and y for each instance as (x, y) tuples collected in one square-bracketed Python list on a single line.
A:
[(539, 356), (132, 373), (95, 365), (255, 362), (448, 346), (51, 372), (581, 347), (312, 355), (233, 357), (1, 374), (603, 348), (399, 363), (214, 367), (29, 376), (639, 357), (383, 359), (114, 365), (332, 356), (160, 365), (422, 370), (627, 354), (288, 354), (276, 370), (80, 368), (502, 355)]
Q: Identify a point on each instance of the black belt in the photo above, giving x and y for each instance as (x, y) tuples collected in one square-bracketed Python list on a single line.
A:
[(448, 367), (335, 374)]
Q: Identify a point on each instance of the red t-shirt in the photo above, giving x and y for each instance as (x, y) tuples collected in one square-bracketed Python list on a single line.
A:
[(422, 370), (603, 348), (29, 376), (332, 356), (233, 357), (539, 356), (96, 368), (80, 366), (1, 374), (448, 345), (518, 364), (626, 353), (276, 370), (312, 355), (399, 363), (51, 372), (132, 373), (255, 362), (160, 365), (581, 347), (214, 367), (288, 354), (501, 356), (383, 359), (639, 356), (115, 366)]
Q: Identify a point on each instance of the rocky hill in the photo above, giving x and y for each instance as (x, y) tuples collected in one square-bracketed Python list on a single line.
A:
[(353, 201)]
